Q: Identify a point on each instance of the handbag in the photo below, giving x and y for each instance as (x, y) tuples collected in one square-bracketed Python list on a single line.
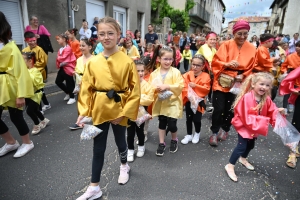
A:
[(225, 80), (44, 42)]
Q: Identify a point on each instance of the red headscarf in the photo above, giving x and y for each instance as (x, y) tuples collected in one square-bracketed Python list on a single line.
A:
[(239, 25)]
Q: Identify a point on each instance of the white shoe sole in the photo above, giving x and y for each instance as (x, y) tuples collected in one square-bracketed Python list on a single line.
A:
[(96, 196), (21, 155)]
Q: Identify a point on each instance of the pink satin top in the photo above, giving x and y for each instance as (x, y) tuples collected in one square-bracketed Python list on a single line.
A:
[(66, 56)]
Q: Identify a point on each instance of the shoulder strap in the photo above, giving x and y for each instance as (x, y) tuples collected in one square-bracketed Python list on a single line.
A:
[(38, 30)]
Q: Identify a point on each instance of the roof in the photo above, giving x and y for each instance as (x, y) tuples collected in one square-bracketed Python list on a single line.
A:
[(252, 19), (273, 4), (222, 3)]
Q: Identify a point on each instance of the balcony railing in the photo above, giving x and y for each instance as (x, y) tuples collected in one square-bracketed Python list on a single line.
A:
[(200, 12)]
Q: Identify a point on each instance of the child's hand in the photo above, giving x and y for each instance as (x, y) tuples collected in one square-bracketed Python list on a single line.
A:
[(192, 85), (163, 87), (282, 111)]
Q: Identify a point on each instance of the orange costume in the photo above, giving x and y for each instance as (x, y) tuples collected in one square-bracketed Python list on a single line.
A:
[(75, 48), (264, 62), (292, 61), (227, 52), (202, 87)]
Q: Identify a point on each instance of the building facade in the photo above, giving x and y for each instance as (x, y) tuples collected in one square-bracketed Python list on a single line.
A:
[(216, 10), (257, 24), (284, 18), (59, 15)]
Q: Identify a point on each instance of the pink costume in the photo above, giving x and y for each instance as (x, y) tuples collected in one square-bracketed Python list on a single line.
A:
[(287, 86), (178, 57), (150, 54), (250, 123), (42, 30), (66, 56)]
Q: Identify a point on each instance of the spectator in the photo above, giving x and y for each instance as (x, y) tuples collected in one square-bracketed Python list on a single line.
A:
[(184, 40), (169, 36), (292, 43), (254, 41), (151, 36), (139, 41), (84, 31), (176, 38), (94, 31), (193, 44)]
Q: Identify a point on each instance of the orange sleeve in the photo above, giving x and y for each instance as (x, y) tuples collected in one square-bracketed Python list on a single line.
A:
[(263, 61), (202, 85), (284, 65)]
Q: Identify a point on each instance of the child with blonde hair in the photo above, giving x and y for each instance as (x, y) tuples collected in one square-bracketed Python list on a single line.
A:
[(253, 112)]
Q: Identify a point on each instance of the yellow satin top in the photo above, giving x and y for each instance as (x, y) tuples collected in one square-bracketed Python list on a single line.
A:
[(16, 83), (207, 52), (41, 59), (117, 72), (38, 83), (79, 69), (147, 93), (171, 107), (132, 53)]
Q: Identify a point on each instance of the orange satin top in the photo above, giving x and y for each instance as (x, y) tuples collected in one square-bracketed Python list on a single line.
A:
[(75, 48), (227, 52), (202, 88), (264, 62), (292, 61)]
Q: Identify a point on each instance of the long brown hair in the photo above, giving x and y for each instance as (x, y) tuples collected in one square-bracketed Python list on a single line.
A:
[(159, 51), (247, 87)]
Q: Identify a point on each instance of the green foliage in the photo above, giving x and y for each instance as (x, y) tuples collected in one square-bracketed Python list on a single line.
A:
[(180, 18)]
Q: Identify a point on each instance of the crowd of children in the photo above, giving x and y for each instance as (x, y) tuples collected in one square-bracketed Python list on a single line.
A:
[(118, 85)]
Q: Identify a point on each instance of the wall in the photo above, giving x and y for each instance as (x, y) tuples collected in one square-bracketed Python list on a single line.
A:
[(177, 4), (292, 20)]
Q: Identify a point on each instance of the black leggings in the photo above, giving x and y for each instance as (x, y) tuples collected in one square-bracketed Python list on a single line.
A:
[(16, 116), (70, 84), (222, 115), (186, 64), (131, 130), (44, 99), (100, 147), (192, 118), (296, 115), (243, 149), (164, 121), (33, 111)]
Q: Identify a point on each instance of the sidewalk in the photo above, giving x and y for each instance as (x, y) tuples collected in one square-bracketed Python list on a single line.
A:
[(50, 86)]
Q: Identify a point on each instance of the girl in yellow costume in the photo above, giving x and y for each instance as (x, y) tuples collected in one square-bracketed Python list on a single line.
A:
[(33, 102), (129, 49), (110, 94), (15, 86), (86, 47), (168, 110)]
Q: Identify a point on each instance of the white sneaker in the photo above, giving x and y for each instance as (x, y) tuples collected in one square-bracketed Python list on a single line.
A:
[(130, 155), (186, 139), (42, 112), (141, 151), (196, 138), (210, 109), (46, 107), (44, 123), (91, 194), (290, 108), (124, 174), (67, 97), (23, 150), (36, 129), (71, 101), (8, 148)]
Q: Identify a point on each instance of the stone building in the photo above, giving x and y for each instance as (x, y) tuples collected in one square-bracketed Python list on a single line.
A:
[(59, 15), (257, 24), (284, 18)]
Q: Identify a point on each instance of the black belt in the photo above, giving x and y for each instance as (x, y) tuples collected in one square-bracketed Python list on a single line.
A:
[(3, 73), (112, 94), (40, 90), (80, 74), (255, 71)]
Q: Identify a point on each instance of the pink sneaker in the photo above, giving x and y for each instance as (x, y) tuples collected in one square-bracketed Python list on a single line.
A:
[(124, 174), (91, 194)]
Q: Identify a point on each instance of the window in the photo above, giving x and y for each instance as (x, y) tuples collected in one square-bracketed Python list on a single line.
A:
[(120, 16)]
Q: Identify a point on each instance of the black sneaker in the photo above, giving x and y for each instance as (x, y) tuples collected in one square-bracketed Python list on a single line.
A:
[(173, 146), (161, 149), (75, 127)]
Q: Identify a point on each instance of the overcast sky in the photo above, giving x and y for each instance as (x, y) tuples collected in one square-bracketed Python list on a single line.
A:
[(240, 8)]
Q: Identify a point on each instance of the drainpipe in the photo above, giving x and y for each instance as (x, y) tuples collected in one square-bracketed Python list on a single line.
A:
[(70, 16)]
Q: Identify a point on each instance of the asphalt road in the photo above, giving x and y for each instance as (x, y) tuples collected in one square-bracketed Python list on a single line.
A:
[(59, 166)]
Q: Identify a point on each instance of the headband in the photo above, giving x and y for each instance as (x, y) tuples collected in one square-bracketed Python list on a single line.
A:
[(211, 34), (269, 40), (30, 39)]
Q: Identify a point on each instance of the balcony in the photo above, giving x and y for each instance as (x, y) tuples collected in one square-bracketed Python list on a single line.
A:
[(199, 12)]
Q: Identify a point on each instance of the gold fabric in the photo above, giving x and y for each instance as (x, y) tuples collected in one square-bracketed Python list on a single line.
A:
[(16, 83), (207, 52), (132, 53), (38, 83), (41, 59), (79, 69), (147, 93), (170, 107), (117, 72)]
